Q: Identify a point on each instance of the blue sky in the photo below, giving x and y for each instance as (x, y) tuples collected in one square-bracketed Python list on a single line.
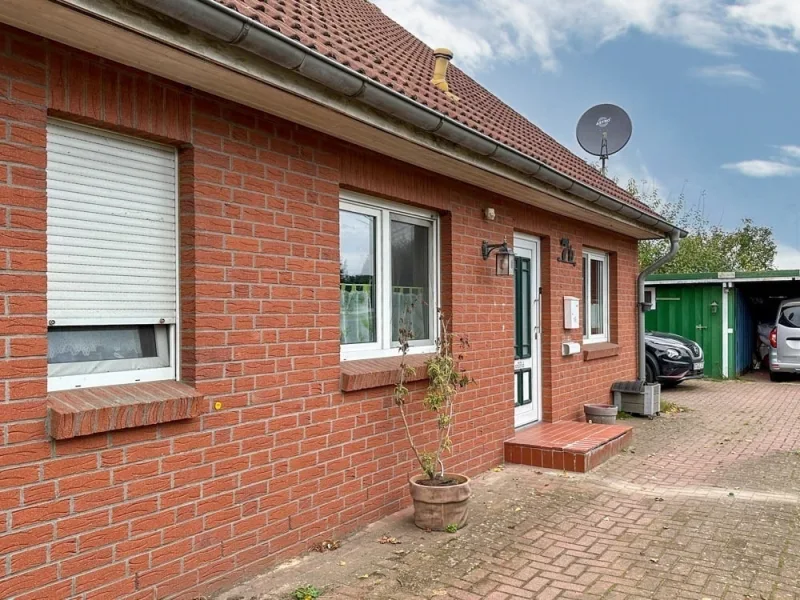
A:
[(712, 87)]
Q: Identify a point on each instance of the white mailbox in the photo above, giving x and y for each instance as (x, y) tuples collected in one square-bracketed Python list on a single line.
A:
[(572, 315)]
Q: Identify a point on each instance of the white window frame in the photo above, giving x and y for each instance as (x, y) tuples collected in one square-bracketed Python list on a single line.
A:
[(385, 212), (650, 298), (65, 376), (56, 380), (602, 257)]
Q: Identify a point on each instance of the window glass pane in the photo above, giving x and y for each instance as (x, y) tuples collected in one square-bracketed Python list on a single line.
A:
[(91, 344), (790, 317), (357, 278), (585, 296), (410, 279), (597, 299)]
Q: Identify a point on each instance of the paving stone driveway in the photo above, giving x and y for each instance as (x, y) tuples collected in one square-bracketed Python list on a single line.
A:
[(704, 505)]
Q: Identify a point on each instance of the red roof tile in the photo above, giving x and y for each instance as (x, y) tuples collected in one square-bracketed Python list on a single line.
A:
[(358, 35)]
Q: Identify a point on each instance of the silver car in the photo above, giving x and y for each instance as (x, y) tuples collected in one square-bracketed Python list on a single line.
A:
[(784, 341)]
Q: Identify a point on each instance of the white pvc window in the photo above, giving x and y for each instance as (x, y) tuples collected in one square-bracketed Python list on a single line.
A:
[(112, 258), (389, 276), (595, 297)]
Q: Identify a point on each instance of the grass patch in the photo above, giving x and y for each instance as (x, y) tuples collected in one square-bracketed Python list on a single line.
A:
[(622, 415), (306, 592)]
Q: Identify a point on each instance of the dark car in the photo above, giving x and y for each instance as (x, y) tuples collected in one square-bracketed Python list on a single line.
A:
[(672, 359)]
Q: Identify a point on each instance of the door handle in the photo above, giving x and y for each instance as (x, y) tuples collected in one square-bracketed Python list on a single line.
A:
[(701, 327)]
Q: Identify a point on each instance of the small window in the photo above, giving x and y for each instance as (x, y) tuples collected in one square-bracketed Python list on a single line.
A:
[(388, 274), (595, 297), (790, 317), (649, 299), (111, 258)]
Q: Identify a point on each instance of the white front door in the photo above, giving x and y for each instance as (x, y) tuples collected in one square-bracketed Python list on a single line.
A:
[(527, 336)]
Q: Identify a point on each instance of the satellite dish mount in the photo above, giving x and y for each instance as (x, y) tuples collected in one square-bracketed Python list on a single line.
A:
[(604, 130)]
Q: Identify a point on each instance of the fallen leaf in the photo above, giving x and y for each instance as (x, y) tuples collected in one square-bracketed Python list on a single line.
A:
[(342, 563), (659, 499), (653, 560), (326, 545), (364, 576), (386, 539)]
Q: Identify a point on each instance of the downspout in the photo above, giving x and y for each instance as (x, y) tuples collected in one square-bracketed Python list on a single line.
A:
[(674, 241)]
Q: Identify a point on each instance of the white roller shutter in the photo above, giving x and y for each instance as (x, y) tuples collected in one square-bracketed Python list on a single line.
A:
[(111, 228)]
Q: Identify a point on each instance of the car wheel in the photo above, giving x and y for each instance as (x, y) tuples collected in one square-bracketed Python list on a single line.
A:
[(651, 370)]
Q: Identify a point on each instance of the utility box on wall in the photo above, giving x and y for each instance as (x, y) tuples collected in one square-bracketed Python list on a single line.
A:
[(572, 313)]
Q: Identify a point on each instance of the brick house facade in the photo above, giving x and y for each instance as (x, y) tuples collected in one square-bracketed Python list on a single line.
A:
[(281, 443)]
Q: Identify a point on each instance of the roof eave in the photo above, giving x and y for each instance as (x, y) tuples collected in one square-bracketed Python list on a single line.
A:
[(233, 28)]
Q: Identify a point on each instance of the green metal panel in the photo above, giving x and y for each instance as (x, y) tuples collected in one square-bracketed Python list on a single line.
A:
[(687, 310)]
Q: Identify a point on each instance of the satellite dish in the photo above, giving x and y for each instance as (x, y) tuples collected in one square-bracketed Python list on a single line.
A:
[(604, 130)]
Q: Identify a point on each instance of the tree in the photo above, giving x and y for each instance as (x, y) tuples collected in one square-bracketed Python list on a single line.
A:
[(708, 248)]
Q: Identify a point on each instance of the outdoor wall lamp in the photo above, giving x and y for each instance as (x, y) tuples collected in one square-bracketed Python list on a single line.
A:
[(714, 307), (505, 256)]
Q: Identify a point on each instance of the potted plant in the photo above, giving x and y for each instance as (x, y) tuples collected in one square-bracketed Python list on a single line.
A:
[(440, 498)]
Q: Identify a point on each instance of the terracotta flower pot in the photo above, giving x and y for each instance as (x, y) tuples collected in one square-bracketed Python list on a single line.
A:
[(437, 507), (602, 414)]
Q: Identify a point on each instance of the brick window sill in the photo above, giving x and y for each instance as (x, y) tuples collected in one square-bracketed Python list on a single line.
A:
[(380, 372), (77, 412), (602, 350)]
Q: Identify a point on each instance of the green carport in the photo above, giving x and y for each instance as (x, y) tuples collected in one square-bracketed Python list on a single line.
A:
[(722, 312)]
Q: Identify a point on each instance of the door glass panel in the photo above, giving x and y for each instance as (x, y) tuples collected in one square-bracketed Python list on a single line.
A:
[(522, 299), (523, 392), (597, 298), (410, 279), (357, 278)]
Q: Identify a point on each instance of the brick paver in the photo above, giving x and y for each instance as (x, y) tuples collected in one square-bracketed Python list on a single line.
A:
[(705, 504)]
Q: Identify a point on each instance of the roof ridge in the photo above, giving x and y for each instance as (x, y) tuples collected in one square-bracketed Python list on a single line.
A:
[(360, 36)]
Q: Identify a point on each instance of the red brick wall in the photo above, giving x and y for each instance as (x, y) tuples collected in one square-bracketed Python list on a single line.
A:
[(186, 506)]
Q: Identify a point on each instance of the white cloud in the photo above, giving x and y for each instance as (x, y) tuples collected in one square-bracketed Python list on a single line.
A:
[(763, 168), (787, 257), (791, 151), (785, 165), (481, 32), (727, 74), (623, 171), (774, 23)]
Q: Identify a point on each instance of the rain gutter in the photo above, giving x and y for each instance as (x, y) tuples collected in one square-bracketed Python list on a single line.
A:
[(229, 26)]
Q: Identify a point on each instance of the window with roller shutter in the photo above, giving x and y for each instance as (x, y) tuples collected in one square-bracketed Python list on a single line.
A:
[(111, 258)]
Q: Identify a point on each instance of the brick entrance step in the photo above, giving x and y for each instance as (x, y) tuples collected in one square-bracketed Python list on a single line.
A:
[(567, 445)]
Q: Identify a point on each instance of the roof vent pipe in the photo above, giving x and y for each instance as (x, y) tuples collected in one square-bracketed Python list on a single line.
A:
[(443, 57)]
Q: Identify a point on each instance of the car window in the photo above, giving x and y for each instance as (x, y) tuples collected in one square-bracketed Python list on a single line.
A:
[(790, 317)]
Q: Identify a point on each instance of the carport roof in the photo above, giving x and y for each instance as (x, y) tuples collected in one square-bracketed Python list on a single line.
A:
[(741, 276)]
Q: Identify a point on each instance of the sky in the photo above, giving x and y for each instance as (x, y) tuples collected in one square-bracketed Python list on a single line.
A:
[(712, 88)]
